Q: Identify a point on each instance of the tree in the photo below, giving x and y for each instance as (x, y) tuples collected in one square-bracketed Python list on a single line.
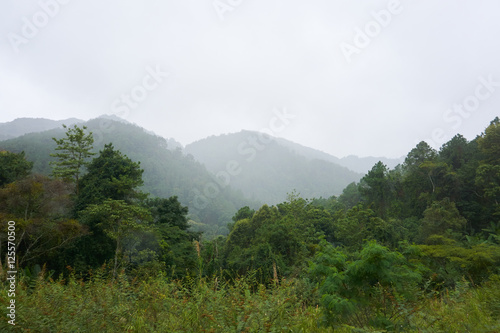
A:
[(41, 207), (276, 240), (243, 213), (119, 221), (174, 240), (488, 173), (350, 196), (75, 150), (489, 142), (442, 218), (455, 152), (36, 196), (375, 188), (111, 175), (168, 212), (357, 225), (13, 167), (418, 155), (418, 179)]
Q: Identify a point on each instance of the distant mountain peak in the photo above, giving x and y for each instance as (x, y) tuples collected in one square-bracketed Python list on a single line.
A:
[(25, 125), (114, 117)]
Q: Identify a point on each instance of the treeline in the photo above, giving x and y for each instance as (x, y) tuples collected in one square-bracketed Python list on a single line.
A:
[(408, 249)]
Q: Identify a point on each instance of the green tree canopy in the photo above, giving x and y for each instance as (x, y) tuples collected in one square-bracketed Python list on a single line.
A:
[(375, 188), (111, 175), (118, 220), (73, 152), (442, 218), (488, 173), (13, 167)]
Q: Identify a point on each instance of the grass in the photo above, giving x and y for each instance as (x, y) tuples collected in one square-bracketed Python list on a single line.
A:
[(157, 304)]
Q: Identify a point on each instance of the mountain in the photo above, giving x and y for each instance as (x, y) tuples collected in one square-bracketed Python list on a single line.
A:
[(166, 172), (20, 126), (267, 168), (354, 163), (365, 164), (214, 177)]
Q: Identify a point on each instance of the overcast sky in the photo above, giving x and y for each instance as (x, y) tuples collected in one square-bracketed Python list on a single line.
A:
[(346, 77)]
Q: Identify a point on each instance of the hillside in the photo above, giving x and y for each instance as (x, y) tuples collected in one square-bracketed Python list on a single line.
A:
[(270, 170), (20, 126), (355, 163), (166, 172)]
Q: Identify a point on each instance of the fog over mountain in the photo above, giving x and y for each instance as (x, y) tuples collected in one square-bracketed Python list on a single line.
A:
[(265, 168)]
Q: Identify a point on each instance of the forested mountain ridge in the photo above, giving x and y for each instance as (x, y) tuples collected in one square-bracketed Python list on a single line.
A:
[(166, 172), (20, 126), (267, 168)]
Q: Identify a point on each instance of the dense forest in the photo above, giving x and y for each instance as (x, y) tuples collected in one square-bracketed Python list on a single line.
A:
[(414, 248)]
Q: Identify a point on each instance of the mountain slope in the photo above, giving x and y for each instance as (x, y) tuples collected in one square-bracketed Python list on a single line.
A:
[(166, 172), (354, 163), (265, 169), (20, 126)]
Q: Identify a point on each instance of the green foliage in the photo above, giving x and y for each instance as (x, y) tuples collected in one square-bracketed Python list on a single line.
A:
[(243, 213), (350, 196), (41, 240), (36, 196), (74, 149), (111, 175), (356, 225), (442, 218), (168, 212), (375, 188), (449, 261), (488, 173), (167, 172), (363, 275), (13, 167), (120, 222), (175, 241), (276, 240), (41, 208), (418, 183), (99, 304), (463, 309), (489, 143), (376, 289)]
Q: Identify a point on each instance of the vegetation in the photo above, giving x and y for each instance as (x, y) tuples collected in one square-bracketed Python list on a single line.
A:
[(73, 152), (415, 248), (167, 171)]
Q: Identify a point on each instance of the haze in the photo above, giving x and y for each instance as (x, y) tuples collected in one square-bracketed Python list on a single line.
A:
[(365, 78)]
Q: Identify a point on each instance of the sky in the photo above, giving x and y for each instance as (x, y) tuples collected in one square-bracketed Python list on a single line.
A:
[(366, 78)]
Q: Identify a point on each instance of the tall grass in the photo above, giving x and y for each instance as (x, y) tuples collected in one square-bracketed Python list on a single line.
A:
[(156, 304), (101, 304)]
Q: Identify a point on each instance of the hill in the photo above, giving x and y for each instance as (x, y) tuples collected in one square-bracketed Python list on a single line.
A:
[(20, 126), (352, 162), (166, 172), (268, 168)]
